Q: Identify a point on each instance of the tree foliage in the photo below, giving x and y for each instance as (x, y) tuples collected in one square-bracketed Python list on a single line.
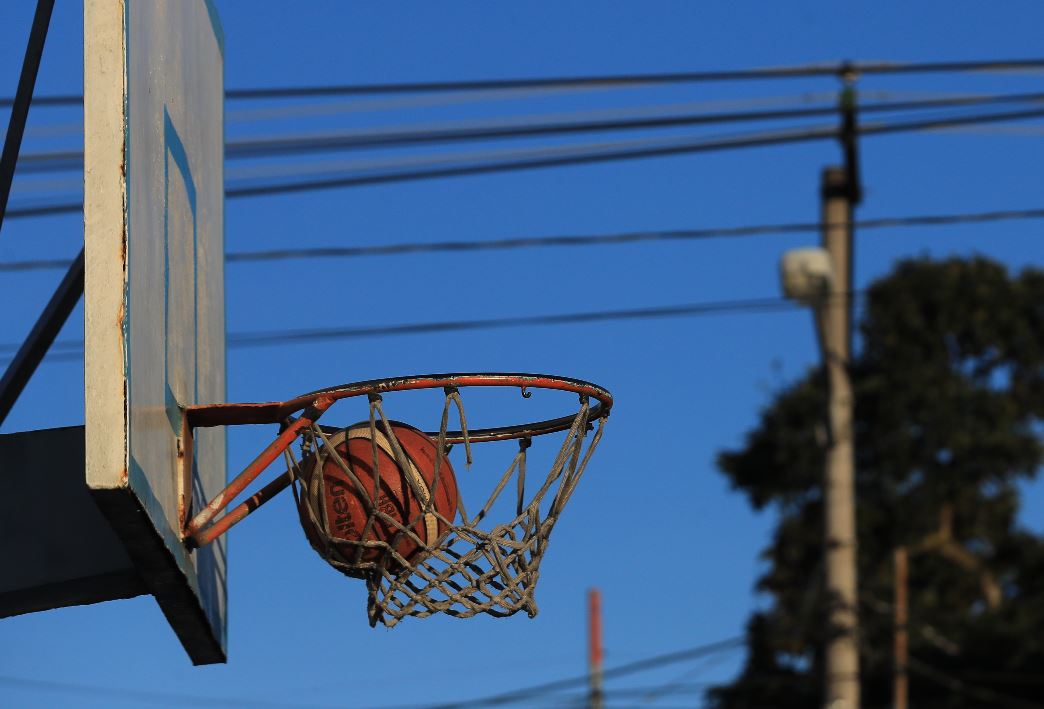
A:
[(949, 387)]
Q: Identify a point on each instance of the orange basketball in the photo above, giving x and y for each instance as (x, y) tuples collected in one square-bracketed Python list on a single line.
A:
[(348, 504)]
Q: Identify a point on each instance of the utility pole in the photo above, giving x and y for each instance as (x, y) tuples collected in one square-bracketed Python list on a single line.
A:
[(822, 278), (839, 541), (596, 698), (900, 686)]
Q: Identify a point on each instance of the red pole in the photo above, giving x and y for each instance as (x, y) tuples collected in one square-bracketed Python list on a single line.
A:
[(594, 654), (900, 683)]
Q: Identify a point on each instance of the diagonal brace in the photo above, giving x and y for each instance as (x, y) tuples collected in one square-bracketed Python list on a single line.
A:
[(40, 339)]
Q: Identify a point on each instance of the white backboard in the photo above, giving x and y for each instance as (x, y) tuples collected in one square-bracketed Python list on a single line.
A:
[(154, 292)]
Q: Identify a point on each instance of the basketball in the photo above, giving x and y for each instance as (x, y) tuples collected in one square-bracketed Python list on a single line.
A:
[(398, 505)]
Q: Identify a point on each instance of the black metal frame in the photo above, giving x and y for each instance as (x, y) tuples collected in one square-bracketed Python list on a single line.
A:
[(28, 358), (41, 337), (23, 97)]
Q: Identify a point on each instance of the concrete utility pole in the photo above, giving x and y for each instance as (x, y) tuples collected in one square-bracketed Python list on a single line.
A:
[(842, 651), (596, 697)]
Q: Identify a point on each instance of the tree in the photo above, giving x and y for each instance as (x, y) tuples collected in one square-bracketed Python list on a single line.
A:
[(949, 387)]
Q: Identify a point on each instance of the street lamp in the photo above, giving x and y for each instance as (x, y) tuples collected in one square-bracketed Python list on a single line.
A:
[(807, 275)]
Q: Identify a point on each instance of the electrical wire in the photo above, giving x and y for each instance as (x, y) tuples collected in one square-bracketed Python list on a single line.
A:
[(435, 160), (962, 688), (573, 156), (444, 134), (553, 157), (45, 210), (352, 106), (326, 107), (513, 129), (1030, 131), (545, 157), (622, 238), (451, 131), (168, 698), (680, 688), (831, 69), (142, 696), (441, 134), (73, 349), (519, 695), (237, 117), (1011, 678), (262, 339), (681, 684), (328, 252), (560, 157)]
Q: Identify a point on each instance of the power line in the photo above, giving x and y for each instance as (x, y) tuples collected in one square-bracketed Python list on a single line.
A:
[(685, 688), (439, 133), (140, 695), (960, 687), (572, 157), (262, 339), (624, 238), (72, 349), (49, 264), (328, 252), (1011, 678), (430, 163), (612, 695), (371, 139), (1019, 131), (564, 157), (596, 240), (518, 695), (561, 157), (45, 210), (325, 107), (555, 157), (297, 145), (322, 107), (418, 99), (830, 69)]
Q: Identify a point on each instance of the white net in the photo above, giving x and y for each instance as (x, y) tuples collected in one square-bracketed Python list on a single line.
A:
[(464, 564)]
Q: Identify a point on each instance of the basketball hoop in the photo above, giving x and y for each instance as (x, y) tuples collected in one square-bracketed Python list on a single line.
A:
[(419, 550)]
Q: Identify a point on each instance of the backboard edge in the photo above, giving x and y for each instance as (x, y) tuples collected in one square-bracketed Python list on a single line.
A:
[(161, 574)]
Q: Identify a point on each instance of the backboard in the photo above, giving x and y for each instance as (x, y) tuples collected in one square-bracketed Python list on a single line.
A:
[(154, 293)]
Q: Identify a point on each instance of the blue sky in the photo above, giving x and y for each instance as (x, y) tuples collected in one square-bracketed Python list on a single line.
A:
[(653, 525)]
